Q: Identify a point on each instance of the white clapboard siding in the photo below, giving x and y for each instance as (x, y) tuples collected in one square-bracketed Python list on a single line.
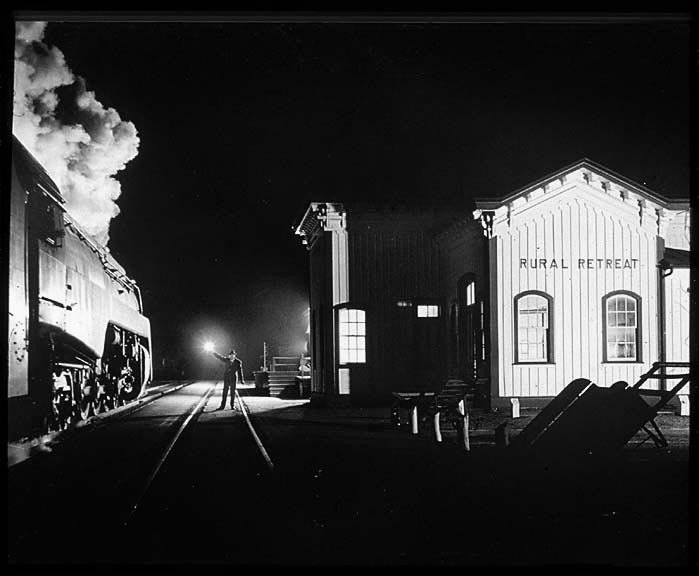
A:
[(677, 319), (577, 222)]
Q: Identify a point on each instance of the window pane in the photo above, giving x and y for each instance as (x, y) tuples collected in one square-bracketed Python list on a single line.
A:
[(427, 311), (533, 321), (621, 328), (532, 335), (351, 335), (470, 293)]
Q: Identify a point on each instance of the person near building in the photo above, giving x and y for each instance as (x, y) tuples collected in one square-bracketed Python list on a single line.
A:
[(233, 373)]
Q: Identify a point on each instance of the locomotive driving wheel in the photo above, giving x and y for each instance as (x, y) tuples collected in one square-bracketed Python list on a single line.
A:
[(88, 398), (103, 403), (126, 389), (60, 415), (53, 420), (87, 407), (106, 394), (61, 412), (109, 402)]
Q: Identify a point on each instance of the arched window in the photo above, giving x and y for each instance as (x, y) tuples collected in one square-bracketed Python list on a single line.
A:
[(622, 326), (467, 290), (470, 329), (533, 327)]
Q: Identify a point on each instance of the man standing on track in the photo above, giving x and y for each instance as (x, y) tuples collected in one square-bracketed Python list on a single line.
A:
[(232, 373)]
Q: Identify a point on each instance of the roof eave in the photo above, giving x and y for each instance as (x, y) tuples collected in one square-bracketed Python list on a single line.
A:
[(671, 204)]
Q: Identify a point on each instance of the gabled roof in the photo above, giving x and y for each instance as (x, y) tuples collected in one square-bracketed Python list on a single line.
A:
[(603, 172)]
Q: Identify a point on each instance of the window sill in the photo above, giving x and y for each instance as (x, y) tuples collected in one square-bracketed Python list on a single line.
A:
[(533, 363), (614, 362)]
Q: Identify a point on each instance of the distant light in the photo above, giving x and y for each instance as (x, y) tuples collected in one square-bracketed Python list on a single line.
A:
[(208, 346)]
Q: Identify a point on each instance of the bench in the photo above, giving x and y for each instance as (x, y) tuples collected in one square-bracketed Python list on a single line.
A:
[(411, 401), (449, 400)]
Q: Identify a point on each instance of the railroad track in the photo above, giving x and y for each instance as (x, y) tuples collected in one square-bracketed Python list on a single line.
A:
[(82, 502), (193, 413), (20, 451)]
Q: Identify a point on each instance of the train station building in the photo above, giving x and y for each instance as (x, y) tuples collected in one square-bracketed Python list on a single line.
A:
[(581, 274), (377, 298), (589, 279)]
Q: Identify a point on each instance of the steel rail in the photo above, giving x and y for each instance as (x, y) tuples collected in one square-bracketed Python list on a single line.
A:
[(154, 472), (91, 424), (261, 447), (131, 407)]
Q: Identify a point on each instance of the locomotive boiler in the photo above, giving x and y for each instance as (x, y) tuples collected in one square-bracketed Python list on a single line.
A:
[(78, 342)]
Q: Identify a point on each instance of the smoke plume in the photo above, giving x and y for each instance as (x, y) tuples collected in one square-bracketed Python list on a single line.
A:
[(81, 156)]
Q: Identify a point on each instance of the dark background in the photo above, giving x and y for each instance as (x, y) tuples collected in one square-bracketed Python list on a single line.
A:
[(243, 124)]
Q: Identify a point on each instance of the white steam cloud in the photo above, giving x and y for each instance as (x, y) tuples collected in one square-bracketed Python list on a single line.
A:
[(82, 156)]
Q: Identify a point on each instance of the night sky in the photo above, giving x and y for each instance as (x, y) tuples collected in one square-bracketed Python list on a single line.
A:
[(241, 125)]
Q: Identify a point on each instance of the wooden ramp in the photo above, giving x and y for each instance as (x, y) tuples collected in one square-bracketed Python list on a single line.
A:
[(586, 419)]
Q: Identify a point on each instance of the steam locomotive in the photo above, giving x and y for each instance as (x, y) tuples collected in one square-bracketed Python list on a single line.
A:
[(78, 342)]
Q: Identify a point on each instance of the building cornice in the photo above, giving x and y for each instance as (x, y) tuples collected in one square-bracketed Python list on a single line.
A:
[(596, 175), (320, 217), (618, 191)]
